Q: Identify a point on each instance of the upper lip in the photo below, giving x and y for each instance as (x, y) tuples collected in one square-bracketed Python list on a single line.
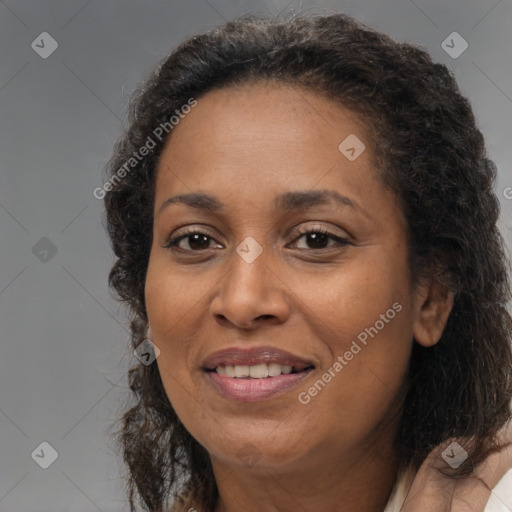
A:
[(238, 356)]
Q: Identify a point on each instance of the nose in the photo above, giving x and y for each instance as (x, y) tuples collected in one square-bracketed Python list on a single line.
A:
[(250, 294)]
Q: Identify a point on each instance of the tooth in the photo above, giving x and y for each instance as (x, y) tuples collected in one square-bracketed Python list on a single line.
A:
[(259, 371), (241, 371), (274, 369)]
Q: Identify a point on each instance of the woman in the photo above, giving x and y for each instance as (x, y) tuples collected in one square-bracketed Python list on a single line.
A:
[(305, 228)]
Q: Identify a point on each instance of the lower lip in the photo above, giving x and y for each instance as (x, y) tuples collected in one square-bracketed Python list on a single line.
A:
[(253, 390)]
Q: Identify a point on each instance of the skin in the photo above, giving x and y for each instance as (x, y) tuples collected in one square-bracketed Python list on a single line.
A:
[(246, 145), (432, 491)]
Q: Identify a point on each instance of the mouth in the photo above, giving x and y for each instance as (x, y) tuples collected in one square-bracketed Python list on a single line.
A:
[(255, 374), (258, 371)]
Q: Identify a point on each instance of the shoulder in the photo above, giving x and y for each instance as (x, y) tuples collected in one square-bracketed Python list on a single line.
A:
[(399, 491), (183, 503), (499, 501)]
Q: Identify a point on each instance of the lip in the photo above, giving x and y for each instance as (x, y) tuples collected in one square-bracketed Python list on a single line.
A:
[(253, 390), (255, 355)]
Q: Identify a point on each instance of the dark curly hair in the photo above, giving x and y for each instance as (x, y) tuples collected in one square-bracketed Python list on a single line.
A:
[(424, 139)]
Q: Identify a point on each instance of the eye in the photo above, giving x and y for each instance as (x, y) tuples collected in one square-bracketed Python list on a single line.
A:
[(196, 241), (316, 238), (319, 237)]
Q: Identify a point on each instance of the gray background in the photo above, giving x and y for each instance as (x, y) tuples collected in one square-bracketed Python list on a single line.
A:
[(64, 339)]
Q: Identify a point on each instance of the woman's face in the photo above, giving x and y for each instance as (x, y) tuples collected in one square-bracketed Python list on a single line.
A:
[(252, 294)]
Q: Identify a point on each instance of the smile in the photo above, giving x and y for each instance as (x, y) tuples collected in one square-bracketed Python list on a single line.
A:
[(257, 371), (267, 372)]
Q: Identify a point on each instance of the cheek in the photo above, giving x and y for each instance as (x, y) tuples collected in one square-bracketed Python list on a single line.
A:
[(176, 299), (177, 304), (172, 309), (363, 318), (168, 297), (354, 296)]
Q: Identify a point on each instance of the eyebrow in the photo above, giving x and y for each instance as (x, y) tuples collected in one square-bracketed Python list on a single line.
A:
[(289, 201)]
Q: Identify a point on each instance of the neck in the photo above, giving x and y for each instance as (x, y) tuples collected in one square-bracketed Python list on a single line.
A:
[(361, 482)]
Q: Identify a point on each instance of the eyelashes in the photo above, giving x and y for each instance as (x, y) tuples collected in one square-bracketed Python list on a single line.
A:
[(324, 235), (199, 238)]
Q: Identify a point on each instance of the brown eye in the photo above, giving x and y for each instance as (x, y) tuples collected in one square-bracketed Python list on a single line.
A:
[(196, 241), (316, 240), (319, 239)]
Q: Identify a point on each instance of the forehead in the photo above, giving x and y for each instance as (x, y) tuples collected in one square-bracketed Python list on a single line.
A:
[(267, 134)]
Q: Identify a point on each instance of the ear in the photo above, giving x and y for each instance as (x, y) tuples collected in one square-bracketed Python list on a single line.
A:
[(149, 333), (432, 306)]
